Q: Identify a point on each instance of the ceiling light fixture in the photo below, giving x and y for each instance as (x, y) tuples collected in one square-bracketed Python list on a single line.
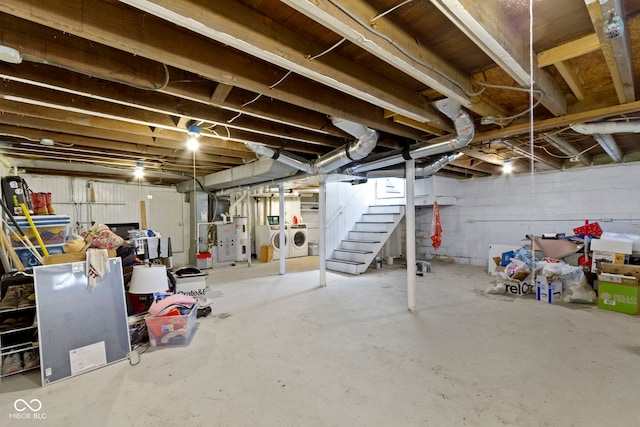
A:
[(194, 133), (507, 166), (139, 170)]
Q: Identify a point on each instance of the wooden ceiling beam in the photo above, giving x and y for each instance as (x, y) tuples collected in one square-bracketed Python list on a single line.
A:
[(610, 23), (487, 26), (21, 92), (207, 146), (133, 150), (421, 63), (573, 80), (557, 122), (570, 50), (220, 93), (138, 33), (277, 44), (53, 78)]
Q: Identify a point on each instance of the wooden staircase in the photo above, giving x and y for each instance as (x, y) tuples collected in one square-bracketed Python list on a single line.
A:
[(365, 239)]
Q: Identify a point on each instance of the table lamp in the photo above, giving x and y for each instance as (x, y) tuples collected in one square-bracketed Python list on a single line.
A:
[(146, 281)]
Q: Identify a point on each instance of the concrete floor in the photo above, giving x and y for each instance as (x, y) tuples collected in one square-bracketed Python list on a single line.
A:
[(280, 351)]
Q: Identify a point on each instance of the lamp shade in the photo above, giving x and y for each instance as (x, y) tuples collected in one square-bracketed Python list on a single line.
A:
[(148, 279)]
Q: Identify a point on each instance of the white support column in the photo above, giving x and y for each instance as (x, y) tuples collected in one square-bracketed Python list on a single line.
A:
[(282, 231), (322, 229), (410, 219), (249, 225)]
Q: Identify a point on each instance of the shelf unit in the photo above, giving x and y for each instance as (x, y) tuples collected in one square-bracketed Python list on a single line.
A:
[(20, 339), (309, 211)]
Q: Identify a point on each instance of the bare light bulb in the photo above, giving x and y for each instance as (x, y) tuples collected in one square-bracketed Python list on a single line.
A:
[(192, 143), (507, 166)]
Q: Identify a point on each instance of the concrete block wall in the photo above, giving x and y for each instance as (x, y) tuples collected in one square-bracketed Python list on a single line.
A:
[(503, 210)]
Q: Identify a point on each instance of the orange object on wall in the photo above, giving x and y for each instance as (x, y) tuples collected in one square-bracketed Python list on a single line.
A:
[(436, 227)]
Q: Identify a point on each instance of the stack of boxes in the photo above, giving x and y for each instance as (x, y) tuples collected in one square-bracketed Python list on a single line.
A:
[(617, 280), (53, 230)]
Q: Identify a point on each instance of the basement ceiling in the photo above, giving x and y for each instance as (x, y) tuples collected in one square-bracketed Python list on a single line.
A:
[(113, 84)]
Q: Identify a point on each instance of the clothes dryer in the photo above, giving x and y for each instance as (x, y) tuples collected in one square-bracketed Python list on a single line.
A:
[(298, 240)]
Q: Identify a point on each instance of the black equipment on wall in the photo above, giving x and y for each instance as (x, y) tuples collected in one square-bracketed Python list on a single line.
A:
[(14, 192)]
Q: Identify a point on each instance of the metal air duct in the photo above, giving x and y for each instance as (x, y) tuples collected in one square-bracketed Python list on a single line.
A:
[(281, 157), (355, 150), (464, 129), (424, 172)]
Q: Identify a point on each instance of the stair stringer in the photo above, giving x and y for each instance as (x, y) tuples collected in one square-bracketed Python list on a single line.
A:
[(365, 240)]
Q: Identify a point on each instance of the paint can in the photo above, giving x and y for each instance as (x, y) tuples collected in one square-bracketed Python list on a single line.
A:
[(423, 266), (378, 263)]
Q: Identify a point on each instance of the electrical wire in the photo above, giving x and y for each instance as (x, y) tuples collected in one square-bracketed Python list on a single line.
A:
[(211, 129), (164, 84), (500, 120), (259, 96), (531, 139), (375, 18), (311, 58), (402, 49), (568, 157), (281, 80)]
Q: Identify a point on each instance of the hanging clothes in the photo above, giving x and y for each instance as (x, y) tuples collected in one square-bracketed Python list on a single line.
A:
[(436, 227)]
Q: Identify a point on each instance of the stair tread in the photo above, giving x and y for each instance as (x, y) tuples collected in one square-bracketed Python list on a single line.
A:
[(354, 251), (344, 261), (381, 213), (369, 231), (361, 241), (374, 222)]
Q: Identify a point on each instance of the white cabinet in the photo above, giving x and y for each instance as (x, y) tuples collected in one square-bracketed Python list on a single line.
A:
[(435, 189)]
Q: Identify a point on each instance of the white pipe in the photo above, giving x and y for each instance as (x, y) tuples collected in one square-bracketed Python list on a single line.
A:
[(233, 205), (249, 227), (410, 221), (607, 127)]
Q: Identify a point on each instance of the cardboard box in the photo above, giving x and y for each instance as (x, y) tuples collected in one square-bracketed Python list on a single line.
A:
[(600, 257), (194, 285), (616, 245), (548, 290), (517, 288), (266, 253), (618, 293), (29, 260), (72, 257), (623, 269)]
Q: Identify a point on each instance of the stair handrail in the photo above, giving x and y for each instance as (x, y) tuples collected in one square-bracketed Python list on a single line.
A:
[(341, 209)]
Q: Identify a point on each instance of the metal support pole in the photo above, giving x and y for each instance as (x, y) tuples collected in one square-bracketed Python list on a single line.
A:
[(410, 219), (322, 232), (249, 225), (282, 231)]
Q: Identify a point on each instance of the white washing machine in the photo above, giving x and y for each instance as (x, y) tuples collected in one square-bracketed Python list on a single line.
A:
[(270, 235), (298, 240)]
